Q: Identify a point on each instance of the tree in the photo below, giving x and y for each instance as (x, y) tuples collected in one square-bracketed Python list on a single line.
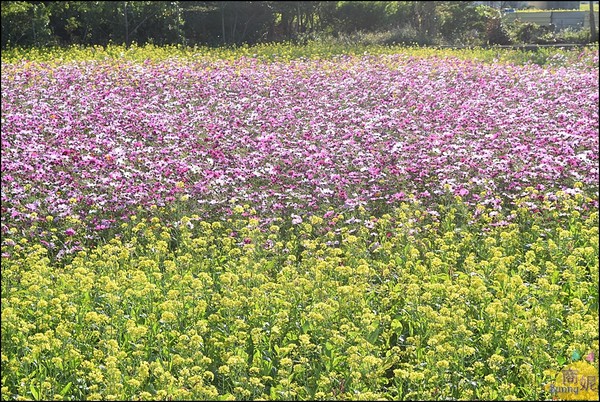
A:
[(25, 23), (361, 15), (425, 17)]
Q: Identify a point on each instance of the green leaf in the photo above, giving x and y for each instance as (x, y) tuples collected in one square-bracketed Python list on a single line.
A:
[(372, 337), (34, 392), (555, 277), (411, 330), (66, 389)]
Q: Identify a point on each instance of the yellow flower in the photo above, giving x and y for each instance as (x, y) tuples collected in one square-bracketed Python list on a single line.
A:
[(286, 362), (490, 379), (209, 376), (134, 383), (416, 376), (168, 316), (443, 364), (495, 361)]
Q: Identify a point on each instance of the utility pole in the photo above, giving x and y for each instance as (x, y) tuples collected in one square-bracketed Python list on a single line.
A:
[(33, 23), (592, 22), (126, 25), (223, 20)]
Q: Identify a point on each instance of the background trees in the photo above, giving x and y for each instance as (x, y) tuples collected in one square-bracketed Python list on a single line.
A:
[(214, 23)]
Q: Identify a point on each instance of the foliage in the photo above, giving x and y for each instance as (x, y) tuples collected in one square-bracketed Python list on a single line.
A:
[(573, 36), (416, 304), (459, 19), (529, 32), (25, 22), (223, 23), (361, 15)]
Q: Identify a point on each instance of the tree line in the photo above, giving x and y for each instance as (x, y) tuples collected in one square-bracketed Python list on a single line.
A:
[(217, 23)]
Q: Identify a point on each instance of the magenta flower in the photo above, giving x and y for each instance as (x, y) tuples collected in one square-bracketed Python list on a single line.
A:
[(462, 192), (296, 137)]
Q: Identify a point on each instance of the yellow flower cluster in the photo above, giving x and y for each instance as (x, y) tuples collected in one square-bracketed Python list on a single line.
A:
[(395, 307)]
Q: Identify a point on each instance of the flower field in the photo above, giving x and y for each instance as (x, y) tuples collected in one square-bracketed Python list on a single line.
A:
[(387, 225)]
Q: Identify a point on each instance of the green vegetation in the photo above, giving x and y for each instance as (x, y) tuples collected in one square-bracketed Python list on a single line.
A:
[(586, 7), (284, 52), (212, 23), (415, 300), (416, 304)]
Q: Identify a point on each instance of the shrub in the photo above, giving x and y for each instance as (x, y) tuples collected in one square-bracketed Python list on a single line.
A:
[(497, 32), (530, 32), (462, 23), (570, 35)]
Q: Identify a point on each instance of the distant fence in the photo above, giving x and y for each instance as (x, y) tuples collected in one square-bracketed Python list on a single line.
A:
[(560, 19)]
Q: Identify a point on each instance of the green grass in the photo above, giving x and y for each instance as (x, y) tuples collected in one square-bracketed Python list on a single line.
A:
[(586, 7), (582, 7)]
